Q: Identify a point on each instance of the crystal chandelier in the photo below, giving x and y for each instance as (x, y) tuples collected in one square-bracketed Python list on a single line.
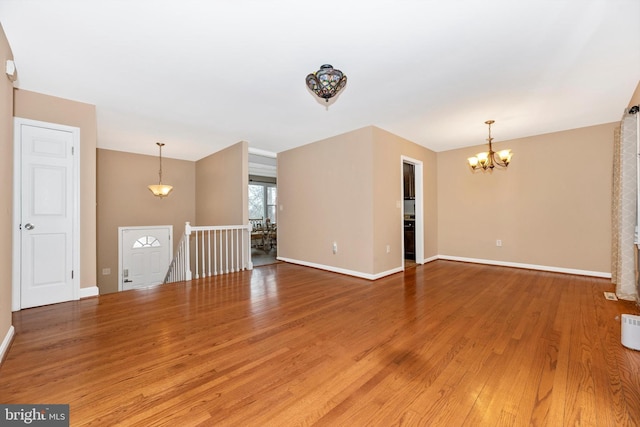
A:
[(160, 190), (488, 159), (326, 82)]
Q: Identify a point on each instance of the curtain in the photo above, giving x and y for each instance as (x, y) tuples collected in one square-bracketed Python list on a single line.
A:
[(625, 207)]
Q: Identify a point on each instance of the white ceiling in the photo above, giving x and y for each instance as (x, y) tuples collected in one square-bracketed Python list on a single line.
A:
[(203, 75)]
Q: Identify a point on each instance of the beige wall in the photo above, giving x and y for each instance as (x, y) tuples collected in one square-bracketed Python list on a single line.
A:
[(6, 190), (635, 99), (346, 189), (36, 106), (388, 151), (324, 196), (551, 207), (222, 182), (124, 200)]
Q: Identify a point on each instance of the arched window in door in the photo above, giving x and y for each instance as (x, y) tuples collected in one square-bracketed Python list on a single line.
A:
[(146, 242)]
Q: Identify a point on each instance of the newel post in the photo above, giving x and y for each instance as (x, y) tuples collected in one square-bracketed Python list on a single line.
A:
[(187, 250)]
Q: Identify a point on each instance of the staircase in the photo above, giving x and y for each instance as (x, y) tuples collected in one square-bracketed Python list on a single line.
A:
[(211, 250)]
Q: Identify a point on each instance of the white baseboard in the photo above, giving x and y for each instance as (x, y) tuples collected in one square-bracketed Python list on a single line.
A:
[(386, 273), (92, 291), (342, 270), (450, 258), (528, 266), (433, 258), (4, 347)]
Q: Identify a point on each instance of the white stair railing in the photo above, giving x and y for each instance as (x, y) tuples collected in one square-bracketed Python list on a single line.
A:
[(216, 250), (177, 271)]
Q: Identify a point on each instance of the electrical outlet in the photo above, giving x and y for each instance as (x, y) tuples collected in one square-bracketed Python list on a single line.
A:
[(106, 271), (335, 247), (499, 243), (388, 249)]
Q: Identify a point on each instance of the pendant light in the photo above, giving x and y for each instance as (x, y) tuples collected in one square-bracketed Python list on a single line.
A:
[(160, 190)]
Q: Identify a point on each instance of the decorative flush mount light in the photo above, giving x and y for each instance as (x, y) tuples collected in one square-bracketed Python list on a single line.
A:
[(326, 82), (488, 159), (161, 190)]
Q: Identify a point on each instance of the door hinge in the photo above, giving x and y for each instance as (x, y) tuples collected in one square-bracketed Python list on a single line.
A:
[(73, 150), (72, 274)]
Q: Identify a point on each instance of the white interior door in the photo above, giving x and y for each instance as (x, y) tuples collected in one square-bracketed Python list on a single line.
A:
[(46, 213), (145, 254)]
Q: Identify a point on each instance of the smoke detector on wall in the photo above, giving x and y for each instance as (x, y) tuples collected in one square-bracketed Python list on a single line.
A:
[(10, 69)]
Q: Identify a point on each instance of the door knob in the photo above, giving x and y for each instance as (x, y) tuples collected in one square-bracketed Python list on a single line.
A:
[(29, 226), (127, 281)]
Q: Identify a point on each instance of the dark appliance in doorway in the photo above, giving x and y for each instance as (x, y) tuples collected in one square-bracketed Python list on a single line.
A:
[(409, 239), (408, 181)]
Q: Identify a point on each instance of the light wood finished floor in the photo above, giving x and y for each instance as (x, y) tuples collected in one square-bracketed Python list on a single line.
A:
[(260, 257), (444, 344)]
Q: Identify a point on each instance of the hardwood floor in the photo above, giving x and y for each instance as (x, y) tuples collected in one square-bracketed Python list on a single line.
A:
[(444, 344), (261, 257)]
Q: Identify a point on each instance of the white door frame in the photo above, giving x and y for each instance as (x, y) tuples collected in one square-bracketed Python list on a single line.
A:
[(16, 279), (419, 201), (142, 227)]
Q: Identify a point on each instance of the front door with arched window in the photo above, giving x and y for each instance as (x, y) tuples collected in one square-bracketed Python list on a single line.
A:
[(145, 255)]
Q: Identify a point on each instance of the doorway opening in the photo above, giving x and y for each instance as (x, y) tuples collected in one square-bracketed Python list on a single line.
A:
[(263, 199), (262, 205), (412, 212)]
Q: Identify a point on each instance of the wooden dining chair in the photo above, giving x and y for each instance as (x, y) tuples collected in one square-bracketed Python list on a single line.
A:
[(257, 232), (270, 234)]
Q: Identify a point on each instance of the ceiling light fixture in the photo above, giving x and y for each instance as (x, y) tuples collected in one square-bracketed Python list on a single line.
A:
[(488, 160), (160, 190), (326, 82)]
